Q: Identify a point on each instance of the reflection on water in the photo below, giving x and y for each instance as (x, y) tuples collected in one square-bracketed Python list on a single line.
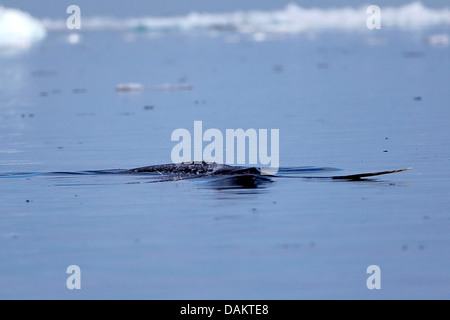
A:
[(239, 182)]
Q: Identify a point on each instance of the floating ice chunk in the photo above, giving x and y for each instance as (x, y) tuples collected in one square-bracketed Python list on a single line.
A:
[(439, 40), (124, 87), (259, 36), (171, 87), (129, 87), (19, 29), (74, 38)]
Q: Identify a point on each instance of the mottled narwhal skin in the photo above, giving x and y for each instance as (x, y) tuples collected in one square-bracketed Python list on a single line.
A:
[(196, 168), (228, 176)]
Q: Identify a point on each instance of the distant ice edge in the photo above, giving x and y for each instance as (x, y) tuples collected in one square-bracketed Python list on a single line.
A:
[(19, 29), (291, 19)]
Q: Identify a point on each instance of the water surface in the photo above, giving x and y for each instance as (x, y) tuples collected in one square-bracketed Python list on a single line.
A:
[(339, 101)]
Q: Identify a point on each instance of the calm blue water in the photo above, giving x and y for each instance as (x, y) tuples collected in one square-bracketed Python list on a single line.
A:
[(338, 102)]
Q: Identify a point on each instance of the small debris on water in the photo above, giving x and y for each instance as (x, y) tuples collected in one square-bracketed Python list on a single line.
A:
[(278, 68), (43, 73), (413, 54), (291, 246)]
